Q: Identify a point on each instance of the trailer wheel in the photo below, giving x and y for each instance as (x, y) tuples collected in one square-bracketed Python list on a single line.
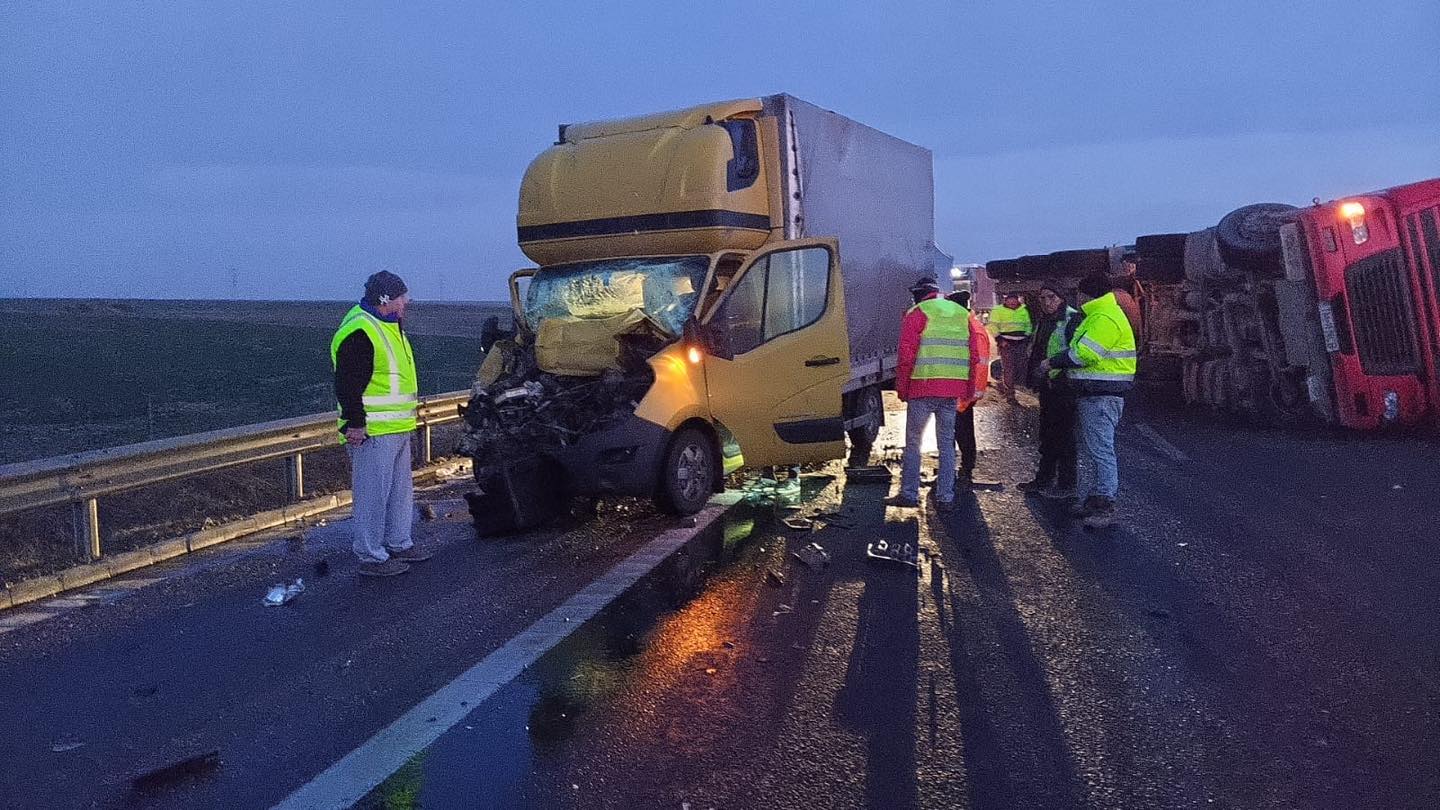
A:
[(687, 474), (1249, 237), (1002, 269), (1080, 263)]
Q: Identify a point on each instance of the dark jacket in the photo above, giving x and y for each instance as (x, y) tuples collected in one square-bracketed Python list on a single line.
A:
[(1039, 349)]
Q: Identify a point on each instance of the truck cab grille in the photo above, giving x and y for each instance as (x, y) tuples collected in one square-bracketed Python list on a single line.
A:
[(1382, 315)]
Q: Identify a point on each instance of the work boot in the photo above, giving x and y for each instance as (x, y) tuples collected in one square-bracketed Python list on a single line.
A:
[(1033, 486), (1088, 506), (902, 501), (413, 554), (389, 568), (1102, 516)]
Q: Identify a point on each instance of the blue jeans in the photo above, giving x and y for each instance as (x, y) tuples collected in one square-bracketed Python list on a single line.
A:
[(1099, 416), (917, 416)]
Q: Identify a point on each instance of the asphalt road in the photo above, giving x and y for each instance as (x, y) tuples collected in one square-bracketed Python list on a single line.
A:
[(1257, 632)]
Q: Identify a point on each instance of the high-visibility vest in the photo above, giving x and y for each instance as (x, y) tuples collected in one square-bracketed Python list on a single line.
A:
[(944, 352), (1057, 342), (391, 398), (1103, 348), (1005, 320)]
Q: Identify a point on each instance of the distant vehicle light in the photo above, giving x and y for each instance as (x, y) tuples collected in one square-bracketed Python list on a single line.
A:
[(1354, 213)]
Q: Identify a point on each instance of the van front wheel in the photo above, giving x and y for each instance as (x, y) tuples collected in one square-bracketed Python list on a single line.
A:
[(687, 476)]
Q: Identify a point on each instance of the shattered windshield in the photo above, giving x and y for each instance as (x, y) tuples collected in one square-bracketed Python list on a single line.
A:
[(665, 289)]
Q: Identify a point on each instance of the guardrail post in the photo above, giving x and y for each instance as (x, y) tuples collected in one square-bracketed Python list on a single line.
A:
[(425, 447), (295, 477), (86, 518)]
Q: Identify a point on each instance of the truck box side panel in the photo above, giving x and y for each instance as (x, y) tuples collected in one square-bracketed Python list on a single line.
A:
[(873, 192)]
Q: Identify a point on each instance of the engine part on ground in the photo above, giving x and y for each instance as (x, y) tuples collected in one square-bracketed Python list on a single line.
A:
[(515, 496), (1249, 237)]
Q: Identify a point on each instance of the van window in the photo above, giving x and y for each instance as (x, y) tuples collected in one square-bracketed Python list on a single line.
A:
[(743, 317), (798, 285)]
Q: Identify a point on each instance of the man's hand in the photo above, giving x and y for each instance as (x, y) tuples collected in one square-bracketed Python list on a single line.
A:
[(356, 436)]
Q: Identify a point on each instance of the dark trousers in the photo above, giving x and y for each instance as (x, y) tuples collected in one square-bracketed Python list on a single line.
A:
[(965, 439), (1057, 438)]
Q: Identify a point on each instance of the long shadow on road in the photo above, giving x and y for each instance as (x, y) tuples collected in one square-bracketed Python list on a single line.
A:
[(1015, 749)]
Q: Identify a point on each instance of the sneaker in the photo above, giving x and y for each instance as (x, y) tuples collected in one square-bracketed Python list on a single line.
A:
[(1089, 505), (1034, 485), (1102, 516), (1058, 493), (413, 554), (389, 568), (902, 501)]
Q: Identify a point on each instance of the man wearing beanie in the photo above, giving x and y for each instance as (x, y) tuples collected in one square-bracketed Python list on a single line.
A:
[(1100, 369), (378, 395), (933, 373), (1055, 477)]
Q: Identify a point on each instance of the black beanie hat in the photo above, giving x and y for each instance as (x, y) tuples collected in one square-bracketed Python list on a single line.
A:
[(1094, 285), (384, 287)]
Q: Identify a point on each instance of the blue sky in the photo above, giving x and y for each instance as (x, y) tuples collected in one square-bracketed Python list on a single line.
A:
[(286, 150)]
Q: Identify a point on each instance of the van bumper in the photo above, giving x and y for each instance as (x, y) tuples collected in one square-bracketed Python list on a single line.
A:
[(621, 460)]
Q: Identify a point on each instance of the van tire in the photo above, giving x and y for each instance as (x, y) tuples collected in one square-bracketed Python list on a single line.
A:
[(862, 437), (687, 473)]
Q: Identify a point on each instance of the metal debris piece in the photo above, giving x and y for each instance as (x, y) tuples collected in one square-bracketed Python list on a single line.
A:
[(282, 594), (813, 555), (868, 475), (799, 524), (427, 511), (783, 608), (775, 578), (198, 765), (884, 551)]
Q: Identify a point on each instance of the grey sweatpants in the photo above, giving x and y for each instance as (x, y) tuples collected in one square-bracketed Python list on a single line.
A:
[(384, 496)]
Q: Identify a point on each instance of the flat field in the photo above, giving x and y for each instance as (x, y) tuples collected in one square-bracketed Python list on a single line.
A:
[(87, 374)]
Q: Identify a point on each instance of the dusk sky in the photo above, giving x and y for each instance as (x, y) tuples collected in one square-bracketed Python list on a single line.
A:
[(287, 150)]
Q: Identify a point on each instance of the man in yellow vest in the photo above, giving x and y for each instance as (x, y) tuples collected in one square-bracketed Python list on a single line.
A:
[(933, 373), (1010, 323), (378, 395), (1100, 370)]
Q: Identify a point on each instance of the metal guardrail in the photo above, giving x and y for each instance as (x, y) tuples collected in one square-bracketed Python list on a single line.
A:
[(80, 479)]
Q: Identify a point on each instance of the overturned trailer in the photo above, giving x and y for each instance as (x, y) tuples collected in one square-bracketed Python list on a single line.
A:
[(717, 287)]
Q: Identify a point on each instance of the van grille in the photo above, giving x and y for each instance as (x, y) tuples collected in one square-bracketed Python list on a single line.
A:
[(1382, 316)]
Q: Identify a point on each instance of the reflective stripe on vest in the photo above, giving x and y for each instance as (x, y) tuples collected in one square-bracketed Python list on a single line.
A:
[(391, 398), (944, 352), (1116, 361)]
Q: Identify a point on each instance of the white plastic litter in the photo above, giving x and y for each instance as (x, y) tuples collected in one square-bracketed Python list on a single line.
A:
[(281, 594)]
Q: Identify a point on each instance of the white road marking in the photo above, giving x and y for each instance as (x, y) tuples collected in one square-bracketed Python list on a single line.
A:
[(362, 770), (1160, 444)]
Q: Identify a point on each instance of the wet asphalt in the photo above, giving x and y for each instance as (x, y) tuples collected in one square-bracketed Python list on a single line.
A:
[(1257, 631)]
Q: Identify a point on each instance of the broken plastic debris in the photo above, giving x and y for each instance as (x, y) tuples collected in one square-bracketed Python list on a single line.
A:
[(775, 578), (813, 555), (66, 745), (710, 670), (281, 594), (783, 608), (903, 553), (799, 524)]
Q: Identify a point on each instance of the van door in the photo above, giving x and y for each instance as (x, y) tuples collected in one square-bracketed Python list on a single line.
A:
[(778, 355)]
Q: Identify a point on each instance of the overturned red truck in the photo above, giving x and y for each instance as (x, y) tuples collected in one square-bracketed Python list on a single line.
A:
[(1328, 313)]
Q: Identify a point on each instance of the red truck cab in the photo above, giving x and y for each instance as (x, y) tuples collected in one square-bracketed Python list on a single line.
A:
[(1374, 260)]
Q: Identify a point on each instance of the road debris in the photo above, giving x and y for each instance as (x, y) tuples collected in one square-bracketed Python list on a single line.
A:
[(782, 608), (886, 552), (427, 511), (799, 524), (66, 745), (869, 475), (282, 594), (775, 578), (198, 765), (813, 555)]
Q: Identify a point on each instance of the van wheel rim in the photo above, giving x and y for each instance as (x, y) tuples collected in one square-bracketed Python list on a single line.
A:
[(691, 472)]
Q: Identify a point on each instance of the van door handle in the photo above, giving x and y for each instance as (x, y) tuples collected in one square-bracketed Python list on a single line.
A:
[(822, 361)]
